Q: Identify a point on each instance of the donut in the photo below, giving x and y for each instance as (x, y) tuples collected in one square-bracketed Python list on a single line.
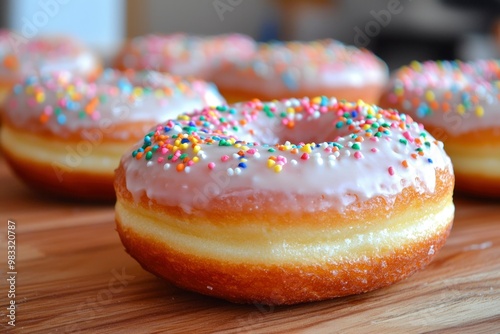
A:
[(183, 54), (459, 103), (20, 57), (285, 202), (288, 69), (64, 135)]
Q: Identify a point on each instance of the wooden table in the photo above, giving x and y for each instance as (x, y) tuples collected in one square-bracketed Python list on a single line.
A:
[(74, 276)]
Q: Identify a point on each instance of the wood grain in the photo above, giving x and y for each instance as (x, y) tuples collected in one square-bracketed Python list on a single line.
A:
[(74, 276)]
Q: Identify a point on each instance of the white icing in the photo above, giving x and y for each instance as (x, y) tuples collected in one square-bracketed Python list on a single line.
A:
[(465, 87), (349, 178), (299, 66), (82, 64), (122, 98), (186, 55)]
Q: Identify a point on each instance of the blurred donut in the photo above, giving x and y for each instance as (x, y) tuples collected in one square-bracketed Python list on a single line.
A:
[(459, 103), (293, 69), (21, 57), (183, 54), (63, 134)]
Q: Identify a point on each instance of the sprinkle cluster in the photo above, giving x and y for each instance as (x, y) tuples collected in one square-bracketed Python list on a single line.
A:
[(446, 86), (63, 97), (180, 144), (19, 55), (184, 54), (294, 61)]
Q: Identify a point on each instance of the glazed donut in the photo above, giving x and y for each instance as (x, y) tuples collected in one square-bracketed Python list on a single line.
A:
[(183, 54), (459, 103), (283, 70), (285, 202), (65, 135), (20, 57)]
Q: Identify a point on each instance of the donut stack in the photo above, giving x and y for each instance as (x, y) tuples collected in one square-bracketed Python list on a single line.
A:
[(281, 70)]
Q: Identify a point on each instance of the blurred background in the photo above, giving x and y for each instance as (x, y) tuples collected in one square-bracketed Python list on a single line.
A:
[(396, 30)]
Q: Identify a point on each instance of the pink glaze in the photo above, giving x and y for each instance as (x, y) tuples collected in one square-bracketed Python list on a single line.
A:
[(304, 66), (335, 153), (453, 95), (20, 57), (186, 55), (64, 103)]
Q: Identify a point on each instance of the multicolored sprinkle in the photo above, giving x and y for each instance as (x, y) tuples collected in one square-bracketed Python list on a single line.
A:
[(62, 102), (278, 68), (182, 141), (186, 55), (20, 57), (434, 91)]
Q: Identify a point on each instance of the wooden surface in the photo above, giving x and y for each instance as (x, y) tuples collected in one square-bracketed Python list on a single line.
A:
[(74, 276)]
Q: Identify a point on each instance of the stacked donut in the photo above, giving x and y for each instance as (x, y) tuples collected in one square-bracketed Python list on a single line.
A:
[(326, 67), (459, 103)]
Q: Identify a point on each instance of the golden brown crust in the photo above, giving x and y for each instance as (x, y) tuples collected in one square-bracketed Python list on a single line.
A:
[(133, 131), (118, 62), (56, 181), (81, 178), (478, 185), (472, 183), (217, 212), (285, 284)]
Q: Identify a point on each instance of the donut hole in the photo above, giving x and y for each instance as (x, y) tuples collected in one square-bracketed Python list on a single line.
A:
[(304, 130), (311, 130)]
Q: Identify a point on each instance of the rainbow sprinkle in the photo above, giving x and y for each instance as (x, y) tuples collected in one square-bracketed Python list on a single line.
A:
[(298, 62), (181, 141), (446, 86), (66, 100), (41, 55)]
